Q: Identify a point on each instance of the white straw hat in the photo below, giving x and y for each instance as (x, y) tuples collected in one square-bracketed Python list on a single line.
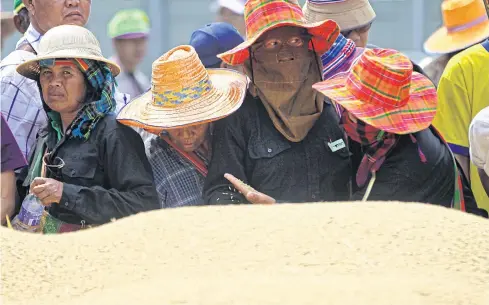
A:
[(184, 93), (66, 41), (348, 14)]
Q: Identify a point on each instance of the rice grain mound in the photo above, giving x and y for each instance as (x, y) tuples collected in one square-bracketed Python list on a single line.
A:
[(333, 253)]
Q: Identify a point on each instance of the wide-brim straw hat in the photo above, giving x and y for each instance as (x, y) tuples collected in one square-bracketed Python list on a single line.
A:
[(465, 23), (184, 93), (66, 41), (348, 14), (382, 90), (264, 15)]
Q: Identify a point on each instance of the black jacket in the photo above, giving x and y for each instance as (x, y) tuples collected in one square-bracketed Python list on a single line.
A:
[(247, 145), (107, 176)]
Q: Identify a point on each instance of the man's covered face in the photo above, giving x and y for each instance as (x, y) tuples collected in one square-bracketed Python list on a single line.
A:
[(282, 44), (48, 14)]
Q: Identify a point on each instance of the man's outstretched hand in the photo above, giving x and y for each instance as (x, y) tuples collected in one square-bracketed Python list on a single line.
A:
[(248, 192)]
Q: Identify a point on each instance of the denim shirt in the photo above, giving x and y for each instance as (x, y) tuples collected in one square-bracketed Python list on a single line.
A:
[(247, 145)]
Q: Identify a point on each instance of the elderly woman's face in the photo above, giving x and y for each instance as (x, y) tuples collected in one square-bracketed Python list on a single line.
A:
[(63, 87), (189, 138)]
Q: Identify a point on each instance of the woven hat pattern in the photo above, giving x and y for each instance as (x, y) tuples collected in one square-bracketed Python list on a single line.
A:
[(184, 93), (382, 90), (465, 23), (179, 78), (264, 15), (66, 41)]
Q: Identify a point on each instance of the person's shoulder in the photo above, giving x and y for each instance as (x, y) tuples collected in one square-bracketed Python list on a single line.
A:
[(470, 60), (247, 110), (480, 123), (109, 125), (8, 65)]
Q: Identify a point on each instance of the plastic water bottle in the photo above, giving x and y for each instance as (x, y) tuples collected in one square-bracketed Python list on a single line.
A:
[(29, 217)]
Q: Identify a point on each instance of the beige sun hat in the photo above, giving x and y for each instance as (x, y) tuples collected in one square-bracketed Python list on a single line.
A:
[(184, 93), (348, 14), (66, 41)]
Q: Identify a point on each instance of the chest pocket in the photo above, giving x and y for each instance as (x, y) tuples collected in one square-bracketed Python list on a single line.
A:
[(82, 163), (266, 149)]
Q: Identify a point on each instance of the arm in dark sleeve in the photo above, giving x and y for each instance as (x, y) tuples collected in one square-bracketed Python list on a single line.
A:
[(130, 178), (228, 156)]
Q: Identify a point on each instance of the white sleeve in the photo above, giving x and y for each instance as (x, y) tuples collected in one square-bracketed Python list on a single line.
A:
[(479, 140)]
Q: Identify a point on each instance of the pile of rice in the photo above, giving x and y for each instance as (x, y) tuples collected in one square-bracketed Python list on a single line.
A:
[(333, 253)]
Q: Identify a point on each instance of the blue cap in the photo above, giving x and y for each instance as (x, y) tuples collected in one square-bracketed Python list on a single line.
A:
[(214, 39)]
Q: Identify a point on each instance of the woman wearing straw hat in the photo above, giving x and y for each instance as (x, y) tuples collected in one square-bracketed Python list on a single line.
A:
[(463, 89), (86, 168), (465, 24), (387, 114), (284, 141), (184, 99)]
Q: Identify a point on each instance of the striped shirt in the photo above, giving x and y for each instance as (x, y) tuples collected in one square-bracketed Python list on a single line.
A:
[(21, 101)]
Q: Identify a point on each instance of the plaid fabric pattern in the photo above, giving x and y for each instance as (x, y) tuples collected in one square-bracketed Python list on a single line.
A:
[(264, 15), (101, 79), (177, 181), (382, 90), (21, 103), (378, 142)]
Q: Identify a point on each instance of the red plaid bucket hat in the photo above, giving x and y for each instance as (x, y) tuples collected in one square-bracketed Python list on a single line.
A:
[(382, 90), (264, 15)]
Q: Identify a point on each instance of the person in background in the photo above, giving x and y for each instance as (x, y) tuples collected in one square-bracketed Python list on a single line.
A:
[(21, 16), (465, 24), (129, 30), (231, 11), (12, 159), (7, 25), (354, 17), (95, 169), (463, 92), (285, 142), (214, 39), (387, 110), (21, 102), (181, 120), (479, 146)]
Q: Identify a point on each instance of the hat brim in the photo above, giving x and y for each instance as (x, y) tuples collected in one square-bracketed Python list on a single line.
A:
[(229, 92), (30, 68), (347, 18), (416, 115), (323, 33), (443, 42)]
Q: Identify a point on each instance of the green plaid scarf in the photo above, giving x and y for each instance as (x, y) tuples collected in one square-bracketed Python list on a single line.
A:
[(101, 79)]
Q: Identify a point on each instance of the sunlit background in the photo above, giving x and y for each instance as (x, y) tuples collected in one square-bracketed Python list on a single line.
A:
[(400, 24)]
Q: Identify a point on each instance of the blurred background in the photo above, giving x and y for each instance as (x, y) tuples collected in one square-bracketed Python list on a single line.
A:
[(400, 24)]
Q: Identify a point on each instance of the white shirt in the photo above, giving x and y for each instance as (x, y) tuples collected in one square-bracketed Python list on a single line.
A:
[(21, 100), (479, 140)]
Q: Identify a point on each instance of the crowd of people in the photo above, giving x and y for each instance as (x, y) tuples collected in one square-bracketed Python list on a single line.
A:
[(274, 103)]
